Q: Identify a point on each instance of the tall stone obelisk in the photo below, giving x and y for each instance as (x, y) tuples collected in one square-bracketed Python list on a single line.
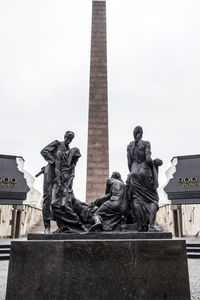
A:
[(98, 156)]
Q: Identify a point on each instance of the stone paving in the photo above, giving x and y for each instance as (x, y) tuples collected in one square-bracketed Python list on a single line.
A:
[(194, 275), (3, 278)]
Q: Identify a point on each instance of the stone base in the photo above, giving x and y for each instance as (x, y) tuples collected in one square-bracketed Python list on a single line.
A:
[(98, 270), (100, 236)]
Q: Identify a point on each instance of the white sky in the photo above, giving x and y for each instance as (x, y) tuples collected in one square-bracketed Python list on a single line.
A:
[(153, 72)]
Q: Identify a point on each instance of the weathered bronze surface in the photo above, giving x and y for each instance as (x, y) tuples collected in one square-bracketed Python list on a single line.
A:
[(58, 182), (142, 182), (134, 202)]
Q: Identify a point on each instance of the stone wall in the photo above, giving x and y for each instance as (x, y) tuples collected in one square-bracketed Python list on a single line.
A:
[(5, 219), (190, 219), (165, 218), (30, 217)]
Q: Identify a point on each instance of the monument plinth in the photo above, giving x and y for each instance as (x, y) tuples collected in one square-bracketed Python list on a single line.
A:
[(98, 270)]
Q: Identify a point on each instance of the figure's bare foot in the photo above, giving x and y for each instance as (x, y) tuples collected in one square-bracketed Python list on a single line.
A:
[(66, 229), (84, 228), (47, 230), (47, 225), (153, 229), (95, 226)]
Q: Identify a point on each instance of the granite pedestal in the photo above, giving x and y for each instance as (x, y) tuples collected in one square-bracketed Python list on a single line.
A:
[(118, 269), (101, 236)]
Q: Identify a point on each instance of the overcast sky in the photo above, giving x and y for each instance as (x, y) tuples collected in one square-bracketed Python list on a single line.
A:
[(153, 78)]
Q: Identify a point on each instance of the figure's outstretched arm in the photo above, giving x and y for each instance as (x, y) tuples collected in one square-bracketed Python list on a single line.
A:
[(58, 167), (128, 189), (129, 158), (148, 153), (99, 201), (47, 152), (108, 186)]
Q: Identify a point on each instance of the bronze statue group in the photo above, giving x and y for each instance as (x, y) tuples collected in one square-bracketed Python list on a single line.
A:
[(133, 204)]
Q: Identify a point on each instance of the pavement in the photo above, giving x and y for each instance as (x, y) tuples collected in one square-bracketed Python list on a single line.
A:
[(194, 276), (3, 278), (193, 267)]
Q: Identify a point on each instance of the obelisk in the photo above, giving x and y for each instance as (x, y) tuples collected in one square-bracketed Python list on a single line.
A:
[(98, 156)]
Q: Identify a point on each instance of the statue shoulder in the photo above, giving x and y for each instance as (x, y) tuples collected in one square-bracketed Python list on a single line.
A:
[(75, 151), (51, 146), (147, 143), (130, 146), (55, 143), (109, 181)]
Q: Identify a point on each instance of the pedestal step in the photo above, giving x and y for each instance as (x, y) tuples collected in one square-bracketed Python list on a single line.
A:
[(193, 250), (4, 252), (101, 236)]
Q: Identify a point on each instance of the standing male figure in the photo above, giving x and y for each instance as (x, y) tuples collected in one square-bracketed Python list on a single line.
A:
[(142, 181), (50, 153)]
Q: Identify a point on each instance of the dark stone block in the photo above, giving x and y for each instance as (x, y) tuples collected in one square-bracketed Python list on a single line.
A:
[(13, 186), (184, 186), (98, 270), (100, 236)]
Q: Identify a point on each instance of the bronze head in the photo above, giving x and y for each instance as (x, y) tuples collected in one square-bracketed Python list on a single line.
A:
[(68, 137), (137, 133)]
